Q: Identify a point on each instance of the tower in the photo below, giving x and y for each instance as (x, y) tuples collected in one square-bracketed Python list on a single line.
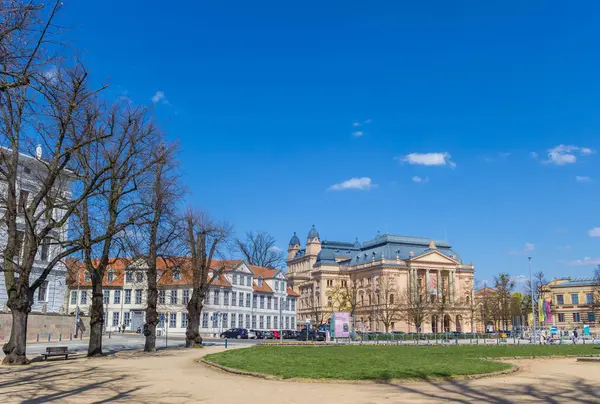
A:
[(293, 247), (313, 243)]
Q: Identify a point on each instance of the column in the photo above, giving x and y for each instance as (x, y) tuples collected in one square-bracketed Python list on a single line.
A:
[(453, 277), (427, 283), (439, 276)]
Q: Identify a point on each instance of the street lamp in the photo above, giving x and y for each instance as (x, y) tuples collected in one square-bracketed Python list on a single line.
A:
[(532, 301)]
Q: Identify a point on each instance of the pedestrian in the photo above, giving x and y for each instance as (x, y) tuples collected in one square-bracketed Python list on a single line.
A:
[(575, 336)]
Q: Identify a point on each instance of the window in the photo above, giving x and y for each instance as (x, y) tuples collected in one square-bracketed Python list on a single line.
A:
[(139, 277), (248, 297), (293, 322), (216, 297), (115, 318), (287, 323), (259, 281), (261, 322), (173, 296), (117, 297), (268, 322), (269, 300), (106, 297), (23, 196), (186, 296), (215, 320), (138, 296), (240, 320), (591, 317), (127, 319), (391, 299), (111, 275), (204, 320), (43, 292), (589, 298), (293, 304), (235, 279), (275, 322), (128, 276), (127, 296), (184, 320), (575, 299), (86, 277), (173, 320), (83, 297), (329, 301), (233, 298), (176, 275), (329, 282), (254, 321), (560, 299), (576, 317), (561, 317), (226, 298), (233, 319), (248, 281), (241, 300), (262, 302), (276, 285), (344, 284), (248, 325), (74, 297), (45, 249), (224, 323), (162, 298), (276, 303)]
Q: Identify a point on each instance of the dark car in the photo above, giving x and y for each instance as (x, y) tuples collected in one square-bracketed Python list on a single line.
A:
[(259, 334), (312, 336), (238, 333), (268, 335), (289, 334)]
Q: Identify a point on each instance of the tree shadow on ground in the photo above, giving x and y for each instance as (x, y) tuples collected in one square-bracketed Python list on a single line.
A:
[(554, 389)]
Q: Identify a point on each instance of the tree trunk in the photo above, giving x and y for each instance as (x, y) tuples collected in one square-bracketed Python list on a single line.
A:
[(96, 316), (15, 348), (192, 333), (151, 313)]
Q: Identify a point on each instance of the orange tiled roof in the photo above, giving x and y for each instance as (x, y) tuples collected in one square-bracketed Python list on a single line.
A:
[(266, 273), (264, 288), (485, 291), (290, 292), (76, 272)]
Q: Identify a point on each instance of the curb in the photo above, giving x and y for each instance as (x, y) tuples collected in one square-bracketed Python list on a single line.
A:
[(515, 368)]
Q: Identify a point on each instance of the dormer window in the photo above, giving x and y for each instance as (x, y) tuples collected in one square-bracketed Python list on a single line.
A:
[(176, 275), (86, 277), (259, 281), (111, 275)]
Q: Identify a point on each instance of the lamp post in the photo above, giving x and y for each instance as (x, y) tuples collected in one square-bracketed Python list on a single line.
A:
[(532, 301)]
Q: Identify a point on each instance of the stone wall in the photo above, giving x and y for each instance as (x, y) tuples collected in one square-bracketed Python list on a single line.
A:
[(44, 325)]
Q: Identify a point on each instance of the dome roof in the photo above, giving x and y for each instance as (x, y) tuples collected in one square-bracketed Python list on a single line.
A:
[(357, 243), (326, 256), (294, 240), (313, 233)]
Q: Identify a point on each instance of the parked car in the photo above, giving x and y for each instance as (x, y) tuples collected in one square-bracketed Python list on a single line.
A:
[(312, 336), (276, 334), (238, 333), (289, 334), (268, 334), (258, 334)]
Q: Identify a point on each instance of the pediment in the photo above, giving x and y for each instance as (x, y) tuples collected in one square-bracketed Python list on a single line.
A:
[(241, 267), (434, 257)]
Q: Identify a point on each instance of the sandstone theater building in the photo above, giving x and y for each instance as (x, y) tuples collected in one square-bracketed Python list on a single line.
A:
[(431, 267)]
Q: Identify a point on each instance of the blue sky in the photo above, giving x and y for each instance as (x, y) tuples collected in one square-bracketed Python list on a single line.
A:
[(493, 107)]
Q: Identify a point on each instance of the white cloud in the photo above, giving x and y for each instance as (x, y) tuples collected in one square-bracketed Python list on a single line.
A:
[(566, 154), (529, 247), (274, 249), (51, 74), (594, 232), (428, 159), (584, 262), (534, 155), (579, 178), (158, 97), (520, 279), (362, 184), (416, 178), (358, 133), (355, 124)]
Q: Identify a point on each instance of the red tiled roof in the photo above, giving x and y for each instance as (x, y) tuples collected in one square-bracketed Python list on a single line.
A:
[(76, 272), (264, 288), (266, 273), (485, 291), (290, 292)]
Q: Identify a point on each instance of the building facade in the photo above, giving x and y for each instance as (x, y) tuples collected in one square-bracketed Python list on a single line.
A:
[(425, 269), (572, 302), (242, 295), (49, 297)]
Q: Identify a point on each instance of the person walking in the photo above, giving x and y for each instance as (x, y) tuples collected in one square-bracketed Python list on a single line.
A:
[(575, 335)]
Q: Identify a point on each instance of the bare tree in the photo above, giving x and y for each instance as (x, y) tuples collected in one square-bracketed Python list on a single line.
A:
[(504, 286), (345, 297), (388, 303), (416, 307), (261, 250), (156, 237), (539, 284), (204, 236), (313, 305), (44, 104), (105, 216)]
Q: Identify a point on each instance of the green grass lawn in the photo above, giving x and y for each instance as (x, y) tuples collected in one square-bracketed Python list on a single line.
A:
[(356, 362)]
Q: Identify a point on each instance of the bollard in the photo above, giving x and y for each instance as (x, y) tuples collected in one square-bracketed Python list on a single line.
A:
[(49, 336), (70, 337), (59, 337), (456, 339), (109, 334), (225, 343), (38, 338)]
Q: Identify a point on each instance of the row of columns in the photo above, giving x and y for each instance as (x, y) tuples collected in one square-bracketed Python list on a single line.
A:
[(414, 276)]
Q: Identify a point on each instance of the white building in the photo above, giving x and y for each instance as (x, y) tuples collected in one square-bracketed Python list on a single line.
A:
[(49, 296), (242, 296)]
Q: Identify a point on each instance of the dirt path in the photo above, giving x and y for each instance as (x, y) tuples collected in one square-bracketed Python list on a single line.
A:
[(175, 377)]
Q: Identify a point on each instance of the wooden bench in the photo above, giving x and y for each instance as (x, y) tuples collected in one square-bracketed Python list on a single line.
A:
[(56, 351)]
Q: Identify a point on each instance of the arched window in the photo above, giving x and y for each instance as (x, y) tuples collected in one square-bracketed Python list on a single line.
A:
[(370, 301), (329, 301), (176, 275), (391, 298)]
